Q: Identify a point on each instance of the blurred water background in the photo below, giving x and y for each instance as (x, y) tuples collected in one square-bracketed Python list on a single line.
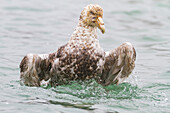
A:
[(41, 26)]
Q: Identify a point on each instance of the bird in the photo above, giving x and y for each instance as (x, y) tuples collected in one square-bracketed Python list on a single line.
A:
[(81, 58)]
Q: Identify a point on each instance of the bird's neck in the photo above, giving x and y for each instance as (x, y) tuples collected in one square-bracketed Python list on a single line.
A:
[(84, 31)]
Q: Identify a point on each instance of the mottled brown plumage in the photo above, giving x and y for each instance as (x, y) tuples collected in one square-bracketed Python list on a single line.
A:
[(81, 58)]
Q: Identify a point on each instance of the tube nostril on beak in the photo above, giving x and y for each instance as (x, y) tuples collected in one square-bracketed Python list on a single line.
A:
[(101, 24)]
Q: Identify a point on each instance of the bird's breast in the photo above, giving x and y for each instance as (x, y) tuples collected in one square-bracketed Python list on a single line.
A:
[(79, 61)]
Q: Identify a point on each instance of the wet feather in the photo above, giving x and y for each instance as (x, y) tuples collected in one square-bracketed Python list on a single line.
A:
[(81, 58)]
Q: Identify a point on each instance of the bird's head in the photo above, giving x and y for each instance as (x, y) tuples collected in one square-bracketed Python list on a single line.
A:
[(92, 16)]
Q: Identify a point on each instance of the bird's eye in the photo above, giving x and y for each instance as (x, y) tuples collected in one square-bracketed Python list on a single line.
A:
[(91, 12), (94, 18)]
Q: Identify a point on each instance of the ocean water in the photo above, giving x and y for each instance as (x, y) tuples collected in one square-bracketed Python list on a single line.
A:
[(41, 26)]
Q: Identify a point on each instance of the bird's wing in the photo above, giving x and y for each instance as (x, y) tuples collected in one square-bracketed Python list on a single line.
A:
[(119, 63), (34, 68)]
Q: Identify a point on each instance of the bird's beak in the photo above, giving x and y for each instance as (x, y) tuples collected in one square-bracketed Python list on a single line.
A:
[(100, 24)]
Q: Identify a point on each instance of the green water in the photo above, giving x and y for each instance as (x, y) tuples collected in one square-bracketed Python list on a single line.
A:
[(41, 26)]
